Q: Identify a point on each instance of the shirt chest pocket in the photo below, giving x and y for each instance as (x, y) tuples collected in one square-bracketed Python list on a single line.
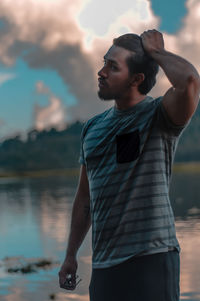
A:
[(128, 147)]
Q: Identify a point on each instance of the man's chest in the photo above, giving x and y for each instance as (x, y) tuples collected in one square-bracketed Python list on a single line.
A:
[(119, 142)]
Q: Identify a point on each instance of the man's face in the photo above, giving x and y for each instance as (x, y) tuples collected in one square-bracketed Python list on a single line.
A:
[(114, 79)]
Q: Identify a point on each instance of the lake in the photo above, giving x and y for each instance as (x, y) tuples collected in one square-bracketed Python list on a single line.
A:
[(34, 224)]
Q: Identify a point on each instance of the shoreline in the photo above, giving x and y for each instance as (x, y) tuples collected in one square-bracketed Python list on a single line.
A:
[(183, 167), (72, 172), (186, 167)]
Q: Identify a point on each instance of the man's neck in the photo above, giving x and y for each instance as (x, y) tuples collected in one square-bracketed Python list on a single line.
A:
[(125, 104)]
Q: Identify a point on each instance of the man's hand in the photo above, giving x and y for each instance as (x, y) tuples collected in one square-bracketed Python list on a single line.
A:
[(68, 272), (152, 41), (181, 100)]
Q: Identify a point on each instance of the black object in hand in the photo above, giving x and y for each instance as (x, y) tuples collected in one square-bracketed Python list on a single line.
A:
[(71, 282)]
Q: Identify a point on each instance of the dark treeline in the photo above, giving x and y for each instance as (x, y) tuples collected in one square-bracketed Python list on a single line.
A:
[(47, 149), (53, 149)]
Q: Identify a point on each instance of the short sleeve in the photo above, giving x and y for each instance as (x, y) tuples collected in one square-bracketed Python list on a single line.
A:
[(83, 135), (165, 123), (82, 157)]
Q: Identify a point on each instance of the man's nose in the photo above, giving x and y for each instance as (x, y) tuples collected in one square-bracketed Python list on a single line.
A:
[(102, 72)]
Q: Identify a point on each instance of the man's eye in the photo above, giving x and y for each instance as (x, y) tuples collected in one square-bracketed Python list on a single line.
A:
[(113, 67), (110, 64)]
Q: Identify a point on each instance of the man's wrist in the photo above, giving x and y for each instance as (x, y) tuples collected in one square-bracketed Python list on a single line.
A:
[(70, 255), (157, 53)]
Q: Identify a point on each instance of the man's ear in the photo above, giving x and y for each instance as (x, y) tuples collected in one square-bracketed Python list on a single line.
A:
[(137, 79)]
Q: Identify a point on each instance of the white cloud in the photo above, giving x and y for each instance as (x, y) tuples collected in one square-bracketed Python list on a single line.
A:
[(42, 89), (98, 17), (4, 77), (52, 115), (65, 36), (48, 35), (188, 37), (185, 43)]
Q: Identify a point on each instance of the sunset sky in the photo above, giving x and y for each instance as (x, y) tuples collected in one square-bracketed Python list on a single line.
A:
[(51, 50)]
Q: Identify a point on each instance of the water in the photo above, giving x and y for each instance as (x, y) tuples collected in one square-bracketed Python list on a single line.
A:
[(34, 223)]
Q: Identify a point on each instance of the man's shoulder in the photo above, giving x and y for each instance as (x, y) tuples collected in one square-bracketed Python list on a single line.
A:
[(152, 106), (100, 116), (155, 100), (149, 107), (96, 119)]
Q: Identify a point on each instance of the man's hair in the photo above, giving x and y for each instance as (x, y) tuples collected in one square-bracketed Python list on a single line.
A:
[(140, 61)]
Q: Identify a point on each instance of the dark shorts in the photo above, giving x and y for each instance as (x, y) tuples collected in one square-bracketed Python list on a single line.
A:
[(146, 278)]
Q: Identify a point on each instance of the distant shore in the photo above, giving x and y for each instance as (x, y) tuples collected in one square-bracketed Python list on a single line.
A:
[(69, 172), (187, 167), (184, 167)]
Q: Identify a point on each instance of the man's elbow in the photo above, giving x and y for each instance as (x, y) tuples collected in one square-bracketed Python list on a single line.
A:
[(194, 80), (192, 89)]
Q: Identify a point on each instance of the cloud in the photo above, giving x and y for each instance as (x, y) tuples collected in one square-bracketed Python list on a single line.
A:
[(188, 37), (4, 77), (185, 43), (57, 35), (2, 123), (48, 34), (52, 115), (76, 70), (42, 89)]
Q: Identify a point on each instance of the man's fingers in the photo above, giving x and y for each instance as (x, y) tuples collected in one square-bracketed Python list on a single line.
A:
[(62, 277), (150, 31), (67, 281), (152, 41), (71, 288), (62, 281)]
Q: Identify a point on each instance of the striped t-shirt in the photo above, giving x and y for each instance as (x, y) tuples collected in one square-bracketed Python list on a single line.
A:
[(128, 156)]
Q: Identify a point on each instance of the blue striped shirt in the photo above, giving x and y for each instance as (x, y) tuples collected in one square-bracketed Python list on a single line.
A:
[(129, 156)]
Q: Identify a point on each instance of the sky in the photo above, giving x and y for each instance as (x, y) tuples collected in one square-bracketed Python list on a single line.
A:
[(51, 51)]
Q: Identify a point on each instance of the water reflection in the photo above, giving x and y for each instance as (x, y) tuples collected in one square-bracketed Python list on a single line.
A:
[(35, 220), (52, 219), (189, 238), (185, 195)]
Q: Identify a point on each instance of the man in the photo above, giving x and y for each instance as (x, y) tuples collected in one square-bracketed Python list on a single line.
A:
[(127, 154)]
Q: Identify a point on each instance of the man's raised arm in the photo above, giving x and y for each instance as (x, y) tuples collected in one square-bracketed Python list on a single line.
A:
[(181, 100), (80, 224)]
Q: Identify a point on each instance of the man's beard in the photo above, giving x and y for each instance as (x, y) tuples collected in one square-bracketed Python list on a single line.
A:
[(105, 96), (109, 95)]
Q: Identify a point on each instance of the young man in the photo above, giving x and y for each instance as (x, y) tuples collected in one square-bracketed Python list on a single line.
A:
[(127, 154)]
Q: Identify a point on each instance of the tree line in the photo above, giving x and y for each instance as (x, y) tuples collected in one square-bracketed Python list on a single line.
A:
[(53, 149)]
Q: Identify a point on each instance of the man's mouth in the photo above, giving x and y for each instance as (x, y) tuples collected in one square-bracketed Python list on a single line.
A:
[(102, 83)]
